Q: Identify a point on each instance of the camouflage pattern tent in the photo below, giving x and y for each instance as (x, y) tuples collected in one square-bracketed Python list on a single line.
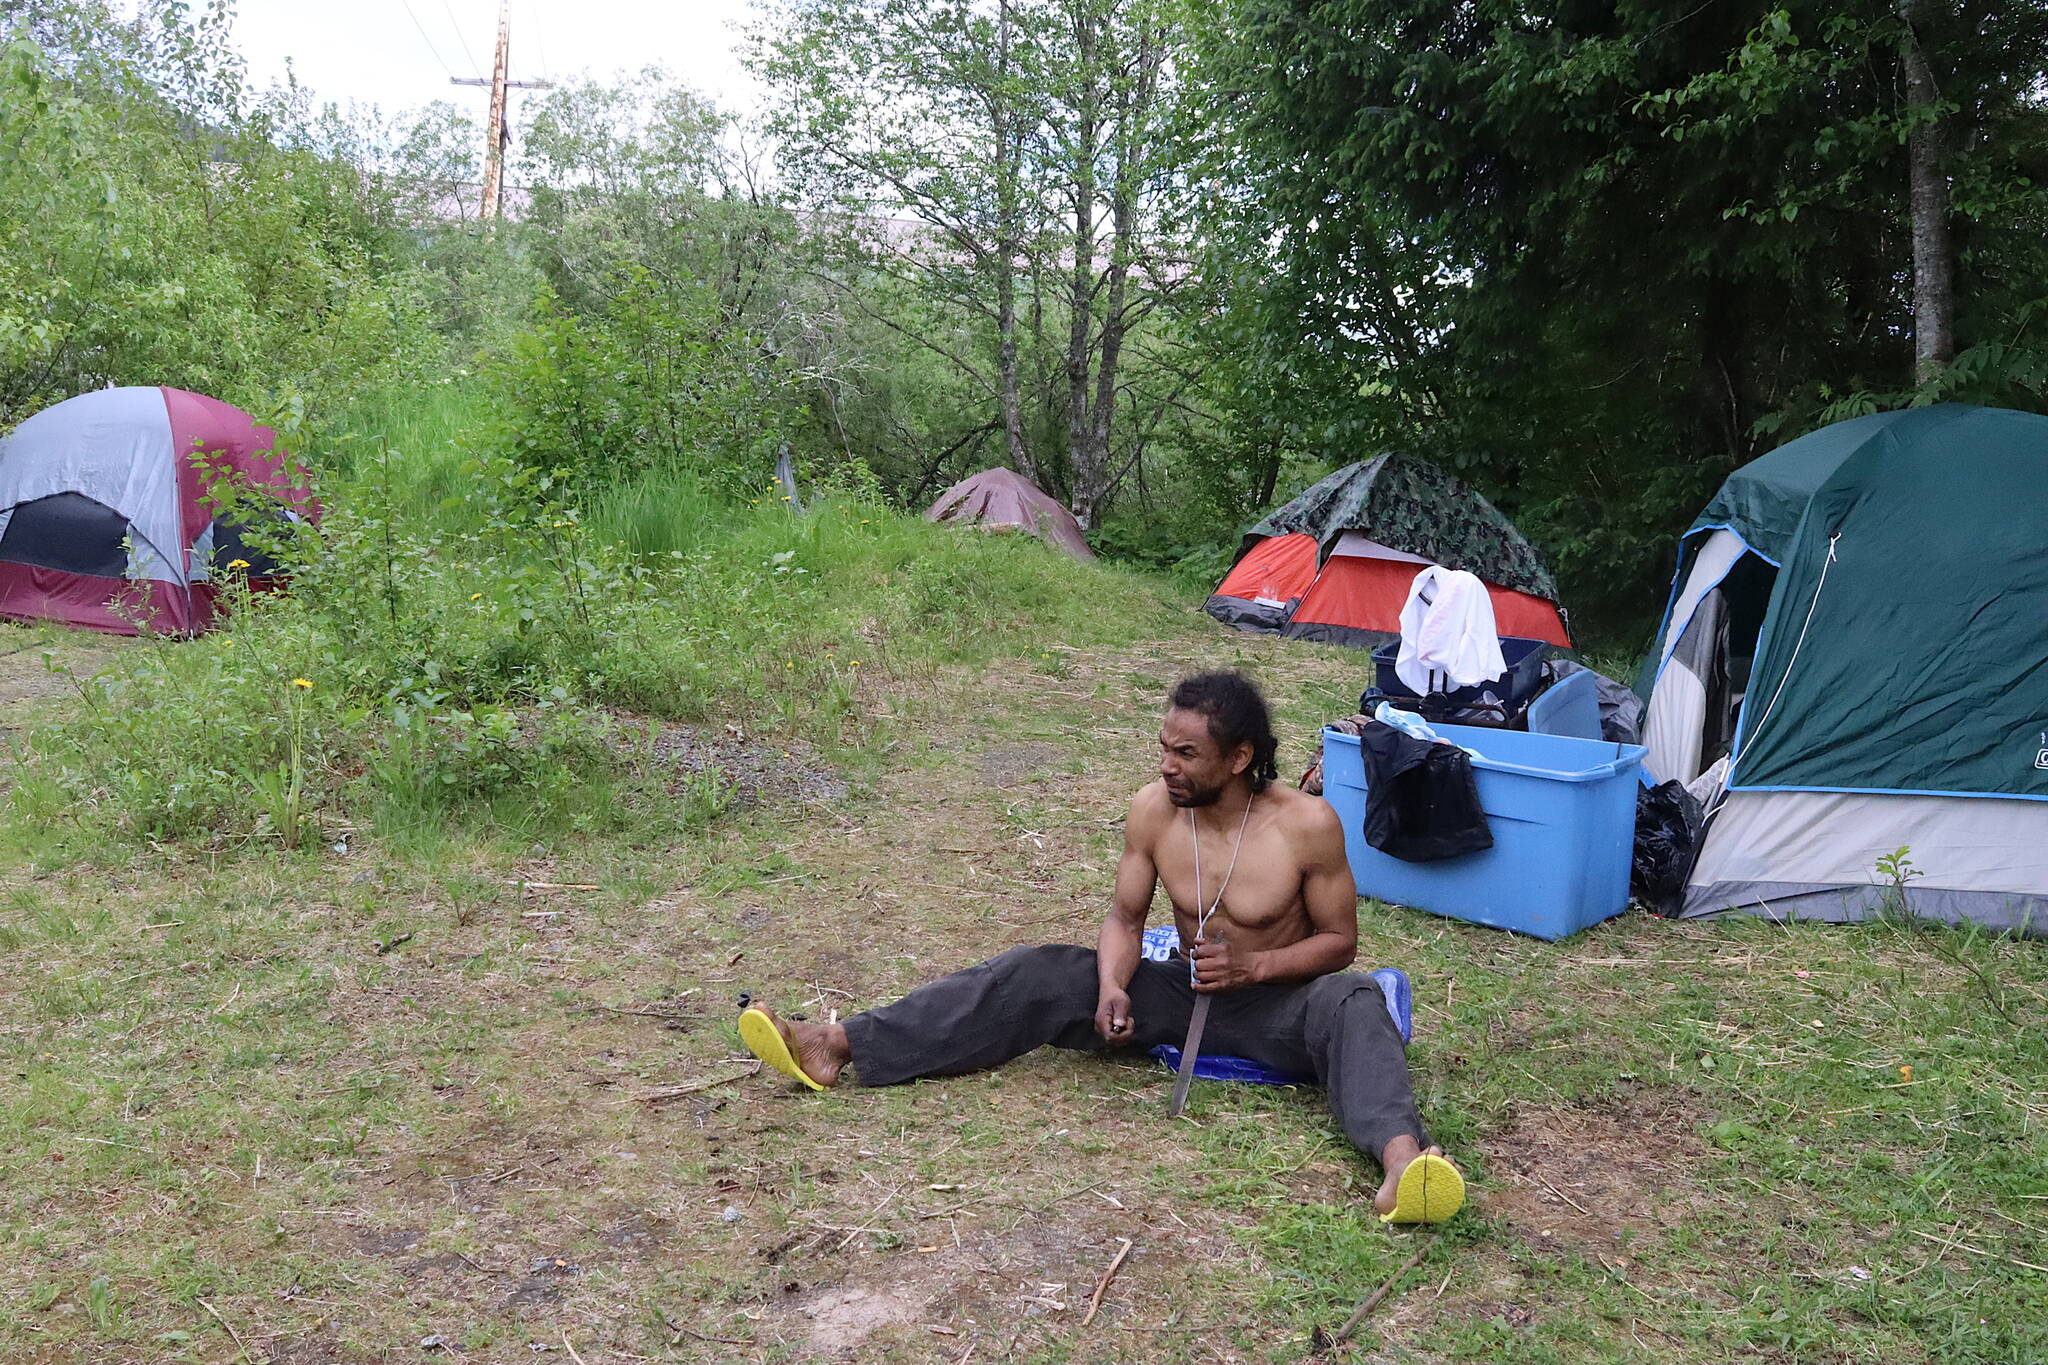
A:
[(1335, 563)]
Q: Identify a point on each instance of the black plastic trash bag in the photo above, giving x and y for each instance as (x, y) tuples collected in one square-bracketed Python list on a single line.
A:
[(1421, 800), (1667, 836)]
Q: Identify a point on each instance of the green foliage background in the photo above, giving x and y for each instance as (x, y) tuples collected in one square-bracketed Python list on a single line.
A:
[(1589, 259), (1594, 256)]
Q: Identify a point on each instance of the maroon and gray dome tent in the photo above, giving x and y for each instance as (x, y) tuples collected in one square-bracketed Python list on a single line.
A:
[(104, 517), (1003, 500)]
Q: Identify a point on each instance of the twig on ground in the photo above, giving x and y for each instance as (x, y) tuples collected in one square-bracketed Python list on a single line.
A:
[(488, 1270), (555, 886), (1102, 1285), (1977, 1251), (645, 1014), (569, 1346), (1060, 1198), (682, 1331), (227, 1327), (1562, 1195), (1372, 1300), (867, 1224), (673, 1092)]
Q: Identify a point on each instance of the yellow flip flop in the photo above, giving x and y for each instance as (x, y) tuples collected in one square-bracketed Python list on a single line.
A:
[(1430, 1191), (765, 1041)]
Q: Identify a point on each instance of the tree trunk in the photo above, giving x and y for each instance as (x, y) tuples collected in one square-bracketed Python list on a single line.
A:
[(1092, 477), (1081, 322), (1934, 342), (1009, 153)]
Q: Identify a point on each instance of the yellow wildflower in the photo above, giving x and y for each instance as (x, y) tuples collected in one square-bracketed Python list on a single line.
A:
[(306, 683), (560, 524), (476, 597), (238, 563)]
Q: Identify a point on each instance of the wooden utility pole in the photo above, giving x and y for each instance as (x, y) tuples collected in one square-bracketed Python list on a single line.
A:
[(499, 134)]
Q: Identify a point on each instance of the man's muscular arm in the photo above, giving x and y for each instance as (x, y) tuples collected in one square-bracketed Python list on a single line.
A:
[(1116, 947), (1331, 900)]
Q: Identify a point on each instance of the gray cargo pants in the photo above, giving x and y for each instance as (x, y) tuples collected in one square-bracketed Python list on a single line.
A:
[(1335, 1028)]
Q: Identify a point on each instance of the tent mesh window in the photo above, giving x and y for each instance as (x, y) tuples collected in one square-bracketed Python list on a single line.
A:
[(1747, 592), (230, 544), (68, 532)]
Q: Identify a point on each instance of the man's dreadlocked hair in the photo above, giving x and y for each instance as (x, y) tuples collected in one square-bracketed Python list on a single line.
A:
[(1237, 714)]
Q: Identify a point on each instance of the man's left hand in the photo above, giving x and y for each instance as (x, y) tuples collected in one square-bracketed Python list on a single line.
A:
[(1219, 968)]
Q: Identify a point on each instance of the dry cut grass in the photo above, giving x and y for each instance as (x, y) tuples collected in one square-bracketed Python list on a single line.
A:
[(482, 1099)]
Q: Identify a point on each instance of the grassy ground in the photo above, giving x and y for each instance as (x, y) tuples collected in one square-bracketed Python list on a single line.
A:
[(483, 1094)]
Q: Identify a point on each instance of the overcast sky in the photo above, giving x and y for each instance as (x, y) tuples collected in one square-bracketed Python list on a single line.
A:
[(400, 53)]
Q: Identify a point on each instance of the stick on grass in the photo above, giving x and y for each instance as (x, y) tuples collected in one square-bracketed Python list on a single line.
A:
[(1372, 1300), (1102, 1285)]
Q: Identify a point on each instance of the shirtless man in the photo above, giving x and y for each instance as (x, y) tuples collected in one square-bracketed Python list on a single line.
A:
[(1269, 934)]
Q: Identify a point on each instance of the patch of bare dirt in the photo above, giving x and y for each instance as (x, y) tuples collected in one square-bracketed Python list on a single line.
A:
[(26, 674), (1016, 764), (386, 1241), (994, 1285), (842, 1319), (750, 771), (1596, 1180)]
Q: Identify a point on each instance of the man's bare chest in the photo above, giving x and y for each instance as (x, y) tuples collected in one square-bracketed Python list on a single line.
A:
[(1263, 886)]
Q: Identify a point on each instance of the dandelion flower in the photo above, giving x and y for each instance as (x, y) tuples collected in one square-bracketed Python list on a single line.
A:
[(238, 563), (560, 524), (785, 497), (476, 597), (306, 683)]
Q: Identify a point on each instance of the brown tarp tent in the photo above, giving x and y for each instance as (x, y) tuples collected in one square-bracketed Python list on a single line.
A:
[(1006, 500)]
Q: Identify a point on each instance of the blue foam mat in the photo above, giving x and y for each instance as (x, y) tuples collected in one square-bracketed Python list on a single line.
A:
[(1161, 942)]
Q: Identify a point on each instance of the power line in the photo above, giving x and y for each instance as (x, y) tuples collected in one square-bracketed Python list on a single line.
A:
[(425, 39), (474, 68)]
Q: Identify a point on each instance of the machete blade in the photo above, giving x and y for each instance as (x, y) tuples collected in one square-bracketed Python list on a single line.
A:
[(1189, 1050)]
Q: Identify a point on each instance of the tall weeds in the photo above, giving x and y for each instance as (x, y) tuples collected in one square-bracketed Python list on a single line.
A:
[(483, 641)]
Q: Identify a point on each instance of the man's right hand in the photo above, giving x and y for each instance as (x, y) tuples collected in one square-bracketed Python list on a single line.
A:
[(1113, 1017)]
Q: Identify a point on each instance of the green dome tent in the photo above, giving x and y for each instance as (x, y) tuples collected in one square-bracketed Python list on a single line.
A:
[(1859, 627)]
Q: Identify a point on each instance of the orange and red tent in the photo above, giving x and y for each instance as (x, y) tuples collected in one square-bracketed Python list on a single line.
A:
[(1335, 564)]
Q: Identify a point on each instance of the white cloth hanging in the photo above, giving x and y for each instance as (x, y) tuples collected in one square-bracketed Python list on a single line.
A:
[(1448, 639)]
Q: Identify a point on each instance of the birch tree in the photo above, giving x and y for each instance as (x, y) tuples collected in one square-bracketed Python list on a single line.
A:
[(1004, 157)]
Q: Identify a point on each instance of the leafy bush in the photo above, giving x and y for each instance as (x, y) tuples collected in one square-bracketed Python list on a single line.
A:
[(651, 382), (160, 225), (485, 655)]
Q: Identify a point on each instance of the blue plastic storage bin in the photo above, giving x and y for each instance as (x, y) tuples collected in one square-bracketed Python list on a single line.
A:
[(1563, 815)]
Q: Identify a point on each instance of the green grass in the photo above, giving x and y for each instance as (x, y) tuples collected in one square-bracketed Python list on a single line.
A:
[(345, 1094), (466, 1092), (486, 646)]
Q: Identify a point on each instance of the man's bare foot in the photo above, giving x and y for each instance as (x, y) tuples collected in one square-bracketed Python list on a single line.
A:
[(820, 1049), (1396, 1158)]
